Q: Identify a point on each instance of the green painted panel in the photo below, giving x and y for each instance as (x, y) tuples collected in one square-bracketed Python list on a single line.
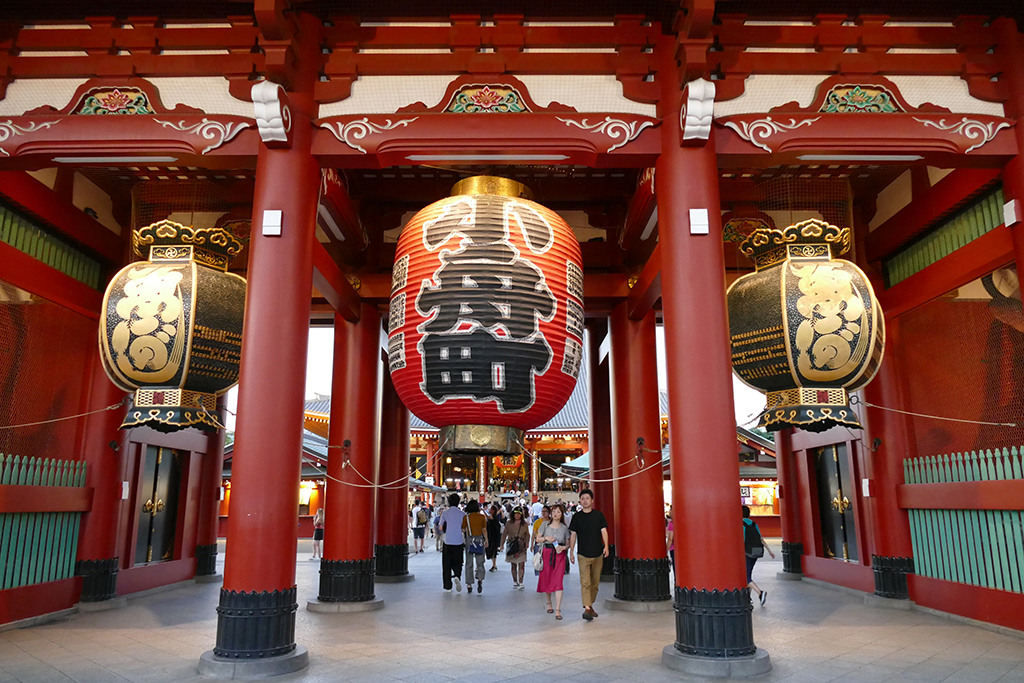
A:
[(24, 234), (945, 237)]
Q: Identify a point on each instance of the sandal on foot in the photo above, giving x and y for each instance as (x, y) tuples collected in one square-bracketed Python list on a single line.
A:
[(550, 609), (558, 614)]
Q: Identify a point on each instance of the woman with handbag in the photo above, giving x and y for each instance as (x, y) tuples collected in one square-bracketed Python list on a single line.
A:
[(517, 539), (554, 535)]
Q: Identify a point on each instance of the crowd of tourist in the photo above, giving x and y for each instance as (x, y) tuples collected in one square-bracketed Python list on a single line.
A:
[(549, 536)]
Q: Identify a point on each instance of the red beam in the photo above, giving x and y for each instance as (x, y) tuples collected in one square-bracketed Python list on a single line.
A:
[(741, 62), (971, 261), (23, 271), (963, 495), (331, 282), (942, 198), (45, 498), (647, 289), (39, 599), (974, 602), (61, 214)]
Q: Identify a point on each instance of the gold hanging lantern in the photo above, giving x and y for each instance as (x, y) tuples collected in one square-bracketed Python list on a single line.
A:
[(806, 328), (171, 327)]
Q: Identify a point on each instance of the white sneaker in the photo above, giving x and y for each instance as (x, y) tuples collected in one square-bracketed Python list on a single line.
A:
[(458, 584)]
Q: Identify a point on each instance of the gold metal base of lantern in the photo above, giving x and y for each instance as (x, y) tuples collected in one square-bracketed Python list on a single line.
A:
[(811, 409), (168, 410), (481, 439), (489, 184)]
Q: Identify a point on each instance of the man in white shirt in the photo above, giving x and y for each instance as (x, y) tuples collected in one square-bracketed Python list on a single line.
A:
[(454, 551), (535, 510)]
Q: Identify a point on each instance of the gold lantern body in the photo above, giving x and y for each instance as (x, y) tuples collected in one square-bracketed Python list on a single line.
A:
[(805, 328), (171, 327)]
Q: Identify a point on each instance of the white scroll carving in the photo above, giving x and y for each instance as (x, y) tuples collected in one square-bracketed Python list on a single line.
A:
[(613, 128), (217, 131), (9, 129), (360, 128), (698, 110), (273, 116), (971, 129), (762, 129)]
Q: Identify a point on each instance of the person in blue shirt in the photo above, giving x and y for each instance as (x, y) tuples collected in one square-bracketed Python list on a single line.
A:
[(754, 547)]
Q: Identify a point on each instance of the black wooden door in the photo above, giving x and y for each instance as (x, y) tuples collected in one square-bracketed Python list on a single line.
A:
[(835, 511), (158, 505)]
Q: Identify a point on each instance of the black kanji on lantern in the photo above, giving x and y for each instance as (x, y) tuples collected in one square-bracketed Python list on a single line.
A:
[(481, 339)]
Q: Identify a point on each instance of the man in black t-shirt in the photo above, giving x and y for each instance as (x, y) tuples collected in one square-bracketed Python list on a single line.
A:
[(589, 529)]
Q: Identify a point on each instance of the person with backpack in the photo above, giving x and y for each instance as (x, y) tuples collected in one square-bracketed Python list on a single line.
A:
[(420, 516), (474, 529), (754, 547)]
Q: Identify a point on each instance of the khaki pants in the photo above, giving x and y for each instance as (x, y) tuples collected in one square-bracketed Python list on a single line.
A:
[(590, 577)]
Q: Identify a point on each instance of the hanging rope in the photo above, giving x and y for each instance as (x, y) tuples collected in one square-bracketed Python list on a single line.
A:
[(114, 406), (854, 400)]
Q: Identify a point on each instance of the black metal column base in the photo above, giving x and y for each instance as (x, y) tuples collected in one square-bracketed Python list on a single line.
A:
[(714, 667), (99, 579), (891, 576), (642, 580), (714, 624), (253, 626), (792, 553), (392, 560), (221, 668), (206, 560), (346, 580)]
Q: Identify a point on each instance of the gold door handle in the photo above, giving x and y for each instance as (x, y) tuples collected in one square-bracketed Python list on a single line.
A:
[(840, 503), (160, 505), (148, 507)]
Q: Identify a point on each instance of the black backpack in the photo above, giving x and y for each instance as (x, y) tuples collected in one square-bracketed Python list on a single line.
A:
[(752, 543)]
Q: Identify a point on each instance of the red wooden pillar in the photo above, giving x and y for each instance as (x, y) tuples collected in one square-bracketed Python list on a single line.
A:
[(209, 503), (256, 618), (97, 545), (392, 547), (1010, 52), (641, 560), (599, 437), (346, 572), (702, 423), (888, 440), (789, 509)]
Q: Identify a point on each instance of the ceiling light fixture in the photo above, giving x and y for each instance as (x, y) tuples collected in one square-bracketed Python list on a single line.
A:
[(860, 157), (486, 157), (114, 160)]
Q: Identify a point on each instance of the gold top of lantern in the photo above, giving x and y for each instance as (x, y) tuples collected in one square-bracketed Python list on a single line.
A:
[(489, 184), (808, 239), (170, 241)]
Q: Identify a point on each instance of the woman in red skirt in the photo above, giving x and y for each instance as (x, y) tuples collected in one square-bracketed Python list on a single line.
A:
[(554, 535)]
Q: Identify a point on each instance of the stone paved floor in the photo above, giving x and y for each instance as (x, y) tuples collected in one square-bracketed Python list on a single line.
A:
[(425, 635)]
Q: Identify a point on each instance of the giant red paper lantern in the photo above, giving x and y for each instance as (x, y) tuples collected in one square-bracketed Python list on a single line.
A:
[(485, 332)]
